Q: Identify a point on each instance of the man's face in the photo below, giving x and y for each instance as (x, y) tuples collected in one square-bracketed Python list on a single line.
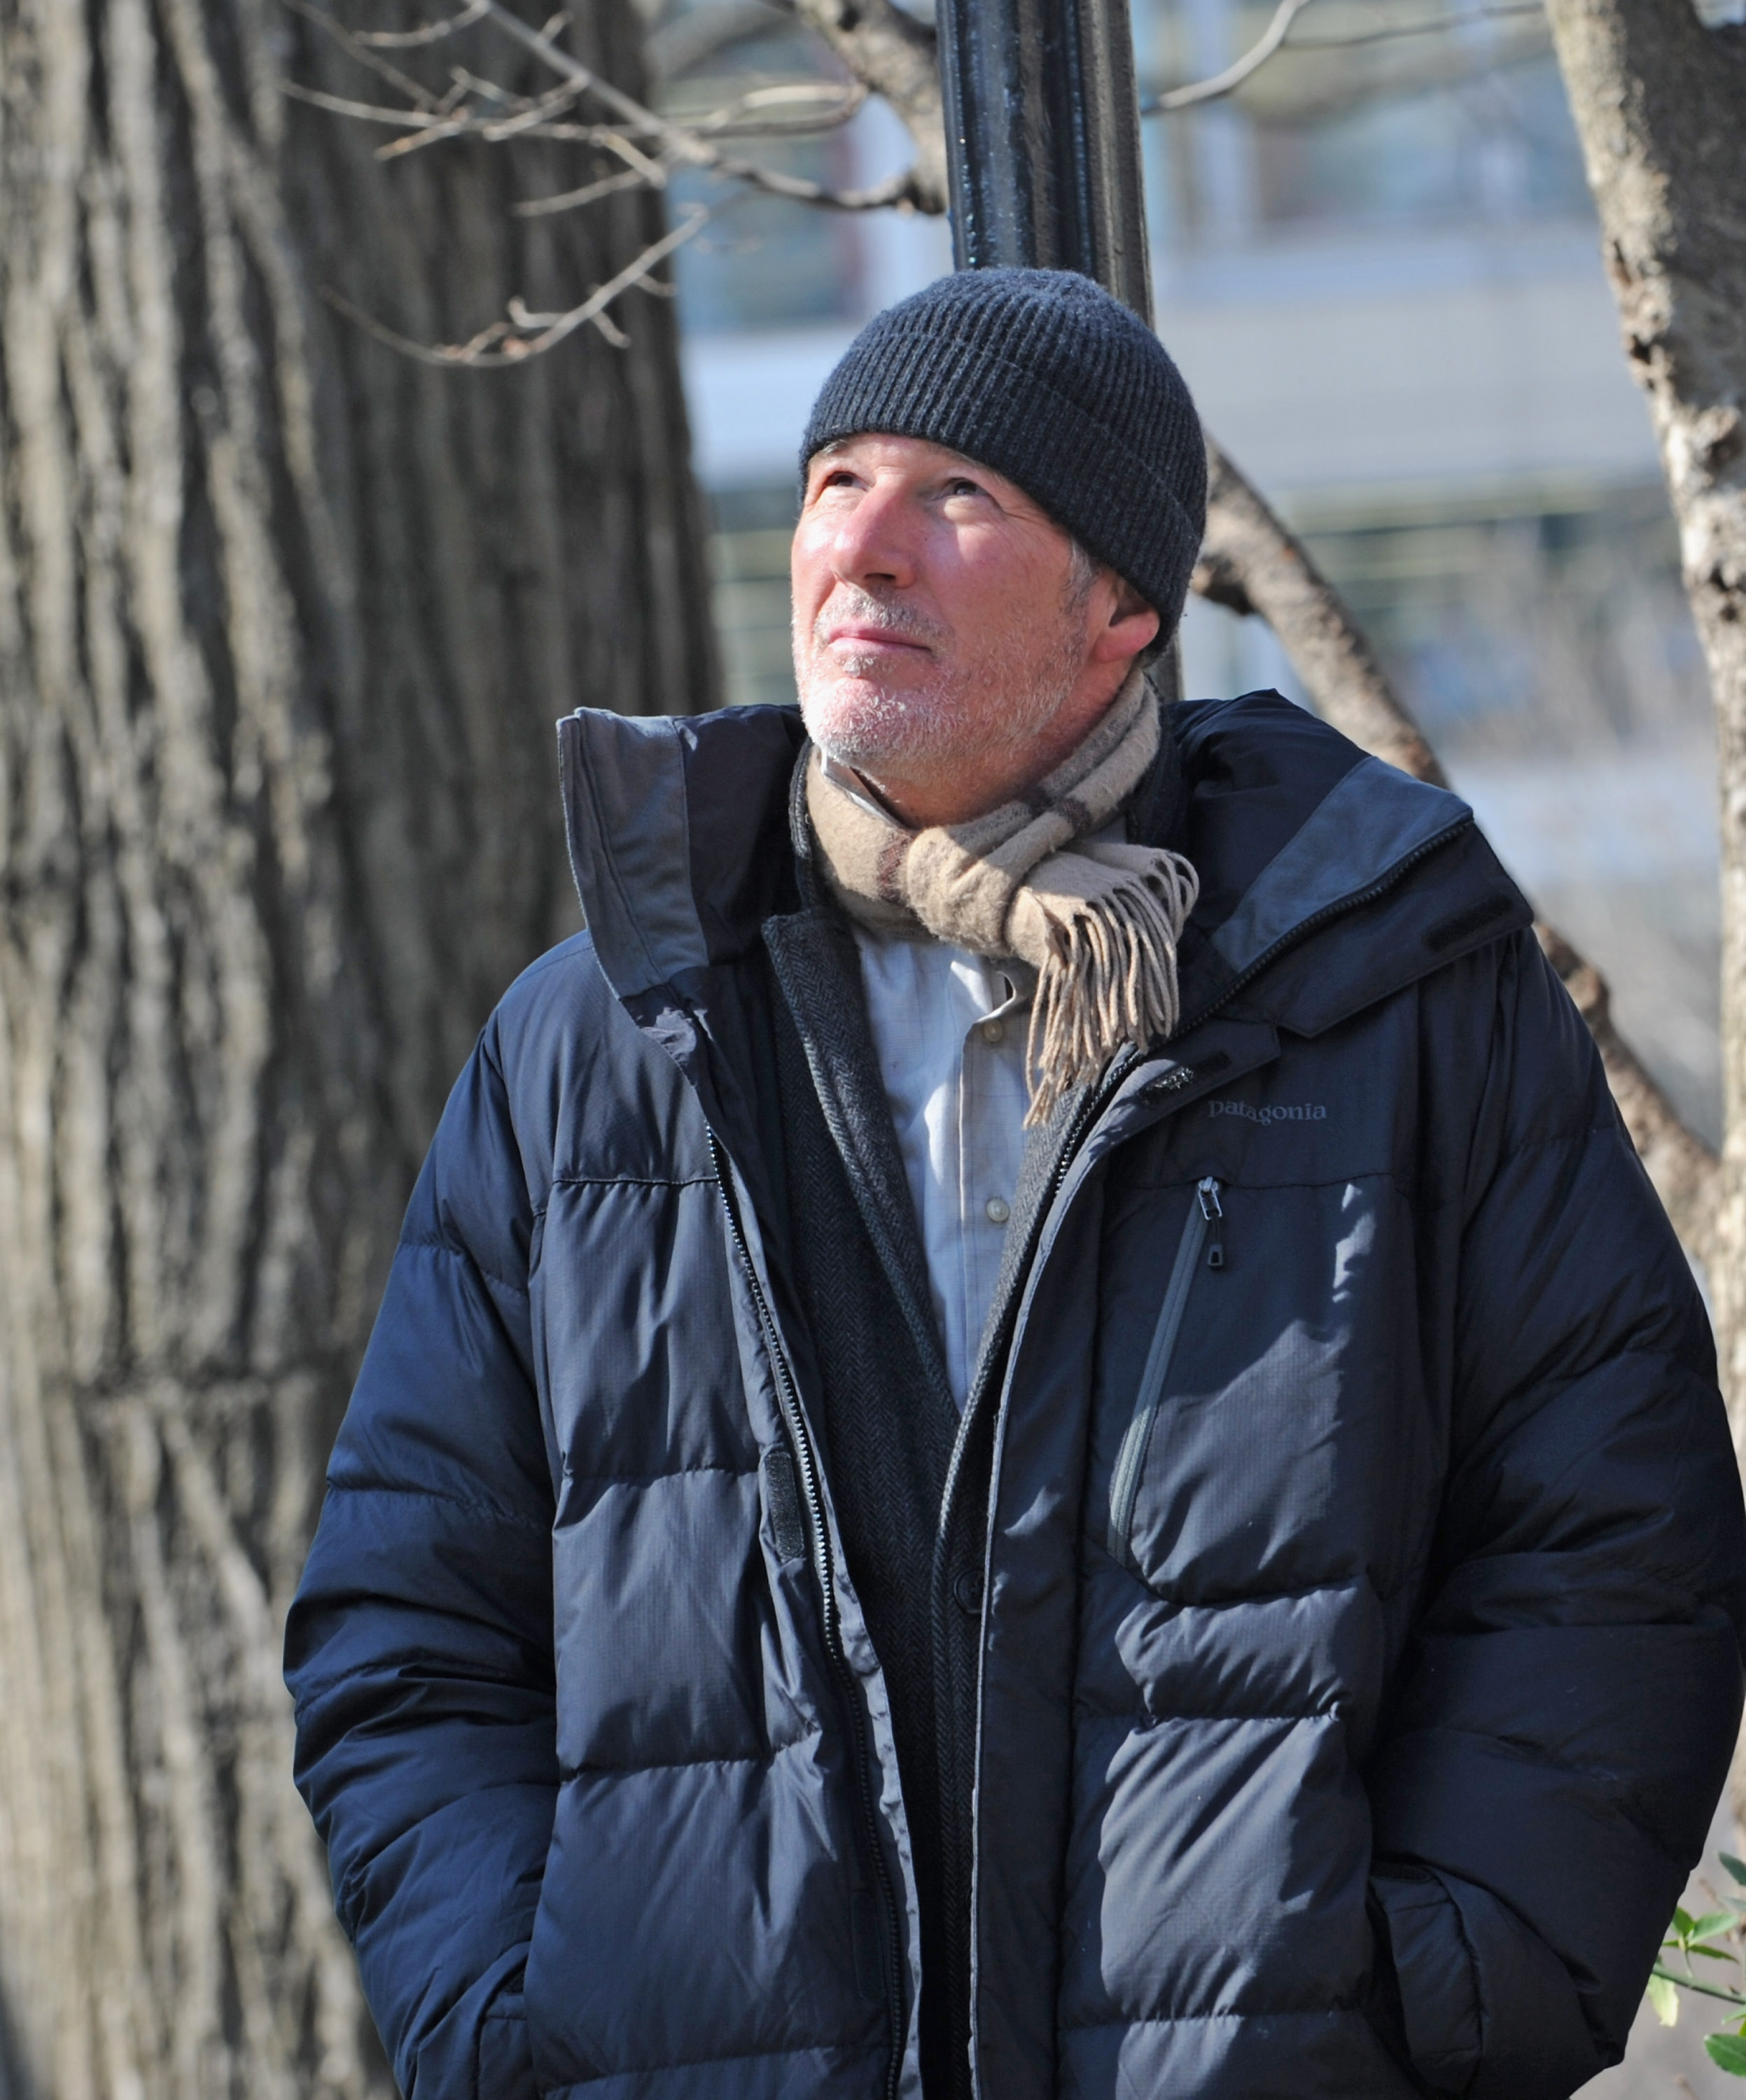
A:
[(944, 625)]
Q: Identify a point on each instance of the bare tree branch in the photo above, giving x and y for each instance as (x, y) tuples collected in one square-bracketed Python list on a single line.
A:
[(1348, 91), (434, 32), (524, 335), (630, 178), (356, 47), (755, 113), (1235, 74), (1253, 563), (367, 112), (897, 56), (683, 141)]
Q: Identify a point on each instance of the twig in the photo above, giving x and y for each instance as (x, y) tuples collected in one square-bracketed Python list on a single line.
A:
[(367, 112), (483, 351), (684, 142), (1235, 74), (628, 179), (430, 123), (407, 40), (430, 134), (1703, 1990), (633, 157), (733, 117), (1275, 39), (356, 48)]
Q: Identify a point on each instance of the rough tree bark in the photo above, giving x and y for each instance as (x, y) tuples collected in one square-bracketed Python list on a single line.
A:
[(285, 623), (1659, 102)]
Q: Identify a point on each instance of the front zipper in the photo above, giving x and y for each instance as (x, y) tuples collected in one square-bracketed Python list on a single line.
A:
[(788, 1399), (1206, 1216), (958, 1868)]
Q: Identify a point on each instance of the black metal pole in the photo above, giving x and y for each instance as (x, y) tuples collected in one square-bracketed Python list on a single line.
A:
[(1042, 139)]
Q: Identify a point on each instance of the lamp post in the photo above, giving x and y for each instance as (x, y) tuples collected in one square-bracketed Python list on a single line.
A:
[(1042, 139)]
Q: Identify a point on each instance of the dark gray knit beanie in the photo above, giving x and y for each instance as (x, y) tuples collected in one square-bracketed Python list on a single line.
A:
[(1043, 375)]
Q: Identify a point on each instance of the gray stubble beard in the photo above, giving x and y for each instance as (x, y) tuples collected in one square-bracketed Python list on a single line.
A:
[(903, 730)]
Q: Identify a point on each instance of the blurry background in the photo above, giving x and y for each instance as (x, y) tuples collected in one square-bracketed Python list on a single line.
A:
[(1378, 267)]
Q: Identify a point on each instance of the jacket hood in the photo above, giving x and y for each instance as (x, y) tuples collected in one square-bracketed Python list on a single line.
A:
[(679, 845)]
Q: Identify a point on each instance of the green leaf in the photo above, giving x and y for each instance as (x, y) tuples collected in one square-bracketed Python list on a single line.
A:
[(1711, 1921), (1683, 1923), (1712, 1953), (1727, 2052), (1665, 2001), (1737, 1868)]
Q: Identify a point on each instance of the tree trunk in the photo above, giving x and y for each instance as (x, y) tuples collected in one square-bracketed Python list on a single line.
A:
[(1659, 102), (285, 621)]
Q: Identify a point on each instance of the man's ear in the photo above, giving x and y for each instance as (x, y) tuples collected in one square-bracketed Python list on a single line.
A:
[(1133, 625)]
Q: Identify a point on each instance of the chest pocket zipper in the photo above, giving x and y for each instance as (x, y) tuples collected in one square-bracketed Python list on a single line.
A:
[(1205, 1219)]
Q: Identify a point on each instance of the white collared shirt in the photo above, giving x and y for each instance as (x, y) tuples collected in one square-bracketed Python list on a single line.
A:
[(949, 1030)]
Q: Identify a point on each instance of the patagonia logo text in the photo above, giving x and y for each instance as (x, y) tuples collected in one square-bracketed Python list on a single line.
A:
[(1291, 1112)]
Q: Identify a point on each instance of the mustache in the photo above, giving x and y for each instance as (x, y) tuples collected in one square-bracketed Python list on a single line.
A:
[(848, 602)]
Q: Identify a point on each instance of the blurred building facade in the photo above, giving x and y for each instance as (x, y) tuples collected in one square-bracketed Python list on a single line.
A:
[(1378, 269)]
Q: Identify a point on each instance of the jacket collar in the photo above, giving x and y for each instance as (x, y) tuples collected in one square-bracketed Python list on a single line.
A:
[(1328, 880)]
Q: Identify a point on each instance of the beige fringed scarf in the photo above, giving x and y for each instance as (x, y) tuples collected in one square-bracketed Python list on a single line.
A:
[(1098, 922)]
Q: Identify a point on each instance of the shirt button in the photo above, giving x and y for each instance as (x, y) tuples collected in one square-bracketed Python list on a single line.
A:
[(967, 1590), (998, 1212), (994, 1031)]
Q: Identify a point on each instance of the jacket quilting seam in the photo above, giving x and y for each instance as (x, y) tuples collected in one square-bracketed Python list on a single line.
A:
[(672, 1473), (1142, 1724), (696, 2062), (315, 1694), (632, 1181), (1575, 1139), (570, 1776), (1345, 1585), (1574, 1135), (1185, 2020), (537, 1526), (437, 1245)]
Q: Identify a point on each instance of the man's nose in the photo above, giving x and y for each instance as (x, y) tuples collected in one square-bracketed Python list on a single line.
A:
[(875, 541)]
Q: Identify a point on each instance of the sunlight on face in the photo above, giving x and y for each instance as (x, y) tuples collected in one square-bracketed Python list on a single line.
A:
[(940, 615)]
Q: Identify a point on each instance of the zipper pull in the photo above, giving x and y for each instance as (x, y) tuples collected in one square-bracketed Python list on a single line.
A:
[(1213, 1211)]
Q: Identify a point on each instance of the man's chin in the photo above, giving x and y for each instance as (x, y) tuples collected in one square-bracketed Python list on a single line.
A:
[(869, 726)]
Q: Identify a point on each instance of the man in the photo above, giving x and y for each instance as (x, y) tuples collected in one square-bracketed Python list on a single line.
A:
[(1035, 1433)]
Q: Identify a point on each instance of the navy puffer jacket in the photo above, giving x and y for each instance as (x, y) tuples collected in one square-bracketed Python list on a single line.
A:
[(1359, 1631)]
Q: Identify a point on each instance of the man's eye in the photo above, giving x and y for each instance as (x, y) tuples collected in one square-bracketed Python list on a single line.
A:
[(964, 489)]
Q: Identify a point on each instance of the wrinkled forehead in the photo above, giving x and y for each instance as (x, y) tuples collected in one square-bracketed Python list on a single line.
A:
[(911, 447), (923, 456)]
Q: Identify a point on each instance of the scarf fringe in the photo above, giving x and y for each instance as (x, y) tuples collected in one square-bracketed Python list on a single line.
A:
[(1110, 978)]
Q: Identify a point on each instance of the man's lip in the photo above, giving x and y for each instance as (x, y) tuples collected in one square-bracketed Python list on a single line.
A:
[(882, 636)]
